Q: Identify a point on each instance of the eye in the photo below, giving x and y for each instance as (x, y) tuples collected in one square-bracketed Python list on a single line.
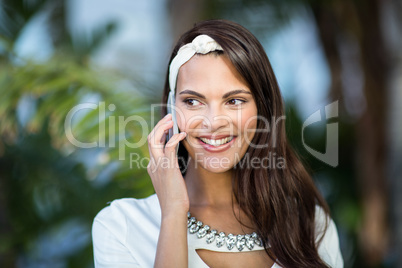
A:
[(236, 101), (192, 102)]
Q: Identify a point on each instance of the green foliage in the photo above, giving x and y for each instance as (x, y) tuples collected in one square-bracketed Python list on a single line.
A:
[(44, 181), (15, 16), (50, 189)]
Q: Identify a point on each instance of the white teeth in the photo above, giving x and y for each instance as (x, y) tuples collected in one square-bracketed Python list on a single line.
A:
[(217, 142)]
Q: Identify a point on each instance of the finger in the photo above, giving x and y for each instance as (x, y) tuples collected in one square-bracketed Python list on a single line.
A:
[(156, 143), (161, 122), (164, 135), (170, 148), (157, 137), (159, 130)]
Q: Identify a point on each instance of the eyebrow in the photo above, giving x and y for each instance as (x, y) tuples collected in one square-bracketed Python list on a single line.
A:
[(226, 95)]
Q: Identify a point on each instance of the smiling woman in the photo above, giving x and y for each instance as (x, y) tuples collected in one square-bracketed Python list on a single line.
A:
[(216, 204)]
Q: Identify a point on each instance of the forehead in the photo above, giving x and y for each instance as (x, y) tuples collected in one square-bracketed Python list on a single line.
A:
[(210, 73)]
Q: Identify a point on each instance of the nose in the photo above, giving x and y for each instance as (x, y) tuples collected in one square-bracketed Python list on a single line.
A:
[(215, 119)]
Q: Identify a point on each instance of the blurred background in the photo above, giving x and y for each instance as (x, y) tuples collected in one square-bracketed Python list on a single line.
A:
[(110, 58)]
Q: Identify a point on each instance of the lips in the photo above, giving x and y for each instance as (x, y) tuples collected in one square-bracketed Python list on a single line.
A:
[(218, 143)]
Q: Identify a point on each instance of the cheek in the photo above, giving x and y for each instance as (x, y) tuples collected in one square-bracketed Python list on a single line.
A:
[(187, 121), (248, 122)]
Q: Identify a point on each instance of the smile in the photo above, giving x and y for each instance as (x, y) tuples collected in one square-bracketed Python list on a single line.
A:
[(217, 143)]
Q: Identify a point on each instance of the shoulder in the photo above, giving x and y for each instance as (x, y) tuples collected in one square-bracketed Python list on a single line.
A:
[(328, 247), (121, 207), (126, 212), (125, 233)]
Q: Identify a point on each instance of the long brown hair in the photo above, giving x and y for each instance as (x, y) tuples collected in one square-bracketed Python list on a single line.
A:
[(280, 201)]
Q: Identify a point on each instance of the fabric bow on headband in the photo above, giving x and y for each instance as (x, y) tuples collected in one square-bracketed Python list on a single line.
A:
[(202, 44)]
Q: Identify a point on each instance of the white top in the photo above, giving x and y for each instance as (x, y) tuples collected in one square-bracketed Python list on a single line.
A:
[(125, 234)]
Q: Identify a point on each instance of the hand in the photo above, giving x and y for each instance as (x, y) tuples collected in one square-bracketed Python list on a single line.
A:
[(164, 170)]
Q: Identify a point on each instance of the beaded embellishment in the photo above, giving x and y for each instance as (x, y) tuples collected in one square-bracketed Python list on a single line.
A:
[(221, 239)]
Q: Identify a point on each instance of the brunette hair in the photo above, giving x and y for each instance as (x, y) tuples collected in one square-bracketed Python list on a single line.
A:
[(281, 202)]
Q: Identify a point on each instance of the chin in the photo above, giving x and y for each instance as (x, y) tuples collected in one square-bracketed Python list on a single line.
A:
[(214, 163), (214, 168)]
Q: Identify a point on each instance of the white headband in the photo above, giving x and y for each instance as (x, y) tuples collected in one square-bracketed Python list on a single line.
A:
[(201, 44)]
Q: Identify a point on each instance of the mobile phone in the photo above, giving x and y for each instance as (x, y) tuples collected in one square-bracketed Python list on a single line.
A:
[(171, 110)]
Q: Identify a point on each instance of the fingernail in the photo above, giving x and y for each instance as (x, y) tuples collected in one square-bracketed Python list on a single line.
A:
[(167, 115)]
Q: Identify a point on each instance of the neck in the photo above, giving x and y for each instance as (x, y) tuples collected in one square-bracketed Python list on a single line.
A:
[(206, 188)]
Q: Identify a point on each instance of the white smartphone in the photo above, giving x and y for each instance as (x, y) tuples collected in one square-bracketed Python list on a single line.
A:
[(170, 110)]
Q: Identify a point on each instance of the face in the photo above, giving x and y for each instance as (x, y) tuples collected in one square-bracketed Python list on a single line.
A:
[(217, 110)]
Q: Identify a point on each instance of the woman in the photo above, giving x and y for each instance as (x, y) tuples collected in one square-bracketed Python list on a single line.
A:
[(256, 213)]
